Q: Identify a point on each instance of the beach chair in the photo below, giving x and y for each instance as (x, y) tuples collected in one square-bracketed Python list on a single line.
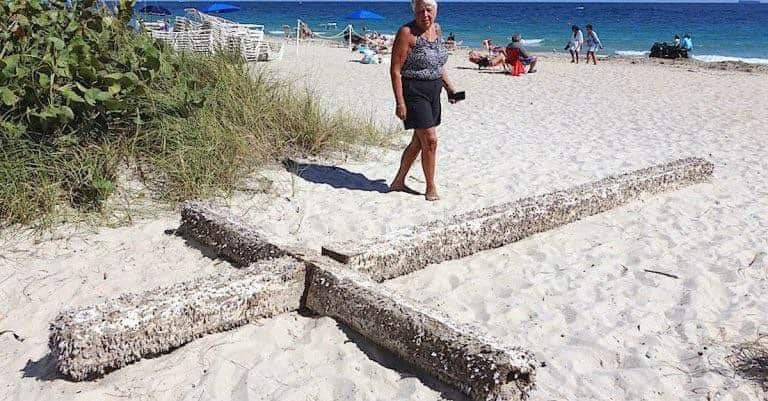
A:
[(512, 61), (270, 51), (287, 32)]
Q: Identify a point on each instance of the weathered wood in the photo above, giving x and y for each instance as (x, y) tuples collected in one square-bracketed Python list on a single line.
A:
[(459, 355), (227, 235), (90, 341), (413, 248)]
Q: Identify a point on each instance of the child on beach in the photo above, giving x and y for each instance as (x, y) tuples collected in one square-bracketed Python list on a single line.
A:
[(593, 44)]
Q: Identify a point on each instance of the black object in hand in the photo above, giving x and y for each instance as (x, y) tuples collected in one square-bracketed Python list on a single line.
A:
[(457, 96)]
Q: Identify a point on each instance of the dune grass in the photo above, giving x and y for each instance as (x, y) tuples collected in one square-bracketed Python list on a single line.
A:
[(196, 132), (249, 118)]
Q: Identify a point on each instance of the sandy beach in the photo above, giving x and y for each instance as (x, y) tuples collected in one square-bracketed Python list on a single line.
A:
[(579, 296)]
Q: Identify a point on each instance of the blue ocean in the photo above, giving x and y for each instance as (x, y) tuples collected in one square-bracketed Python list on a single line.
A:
[(719, 31)]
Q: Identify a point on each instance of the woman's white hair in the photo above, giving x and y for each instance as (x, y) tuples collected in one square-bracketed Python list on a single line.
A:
[(414, 3)]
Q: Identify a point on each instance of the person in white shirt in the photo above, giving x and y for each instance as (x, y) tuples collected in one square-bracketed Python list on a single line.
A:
[(574, 44), (593, 44)]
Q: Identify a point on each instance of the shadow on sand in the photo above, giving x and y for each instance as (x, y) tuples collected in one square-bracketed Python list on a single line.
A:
[(43, 369), (391, 361), (336, 177)]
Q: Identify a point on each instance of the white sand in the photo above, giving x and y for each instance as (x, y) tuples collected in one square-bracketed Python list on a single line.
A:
[(577, 296)]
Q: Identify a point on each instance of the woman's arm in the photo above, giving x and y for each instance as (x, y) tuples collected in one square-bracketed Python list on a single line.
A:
[(400, 50), (447, 84)]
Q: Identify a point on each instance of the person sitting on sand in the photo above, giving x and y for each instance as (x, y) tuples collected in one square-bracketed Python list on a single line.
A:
[(525, 57), (687, 42), (304, 31), (503, 58), (488, 45), (450, 42), (676, 41)]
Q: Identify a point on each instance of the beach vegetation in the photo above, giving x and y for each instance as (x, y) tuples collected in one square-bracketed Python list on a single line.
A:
[(84, 99)]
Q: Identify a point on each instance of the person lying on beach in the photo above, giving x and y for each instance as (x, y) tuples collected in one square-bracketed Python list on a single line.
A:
[(378, 42), (506, 57), (370, 56)]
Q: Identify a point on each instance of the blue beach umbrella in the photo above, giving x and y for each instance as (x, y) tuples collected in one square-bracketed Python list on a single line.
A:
[(363, 15), (154, 10), (221, 8)]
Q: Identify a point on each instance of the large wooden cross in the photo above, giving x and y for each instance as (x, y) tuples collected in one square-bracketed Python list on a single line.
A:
[(341, 282)]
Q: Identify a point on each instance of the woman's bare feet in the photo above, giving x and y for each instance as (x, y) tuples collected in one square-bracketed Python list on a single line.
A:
[(431, 196), (403, 188)]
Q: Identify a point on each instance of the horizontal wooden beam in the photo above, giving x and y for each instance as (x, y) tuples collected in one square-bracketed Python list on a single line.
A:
[(412, 248), (90, 341)]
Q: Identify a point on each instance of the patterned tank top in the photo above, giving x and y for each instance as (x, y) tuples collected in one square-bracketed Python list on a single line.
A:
[(426, 60)]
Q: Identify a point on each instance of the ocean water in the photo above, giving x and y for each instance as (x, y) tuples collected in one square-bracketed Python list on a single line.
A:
[(720, 31)]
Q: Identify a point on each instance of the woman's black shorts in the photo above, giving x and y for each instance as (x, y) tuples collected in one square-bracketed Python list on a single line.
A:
[(422, 102)]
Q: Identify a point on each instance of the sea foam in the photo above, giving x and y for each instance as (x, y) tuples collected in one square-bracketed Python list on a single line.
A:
[(714, 59), (632, 53), (533, 42)]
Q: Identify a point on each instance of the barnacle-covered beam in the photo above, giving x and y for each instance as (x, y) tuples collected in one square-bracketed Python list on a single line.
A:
[(412, 248), (460, 355), (226, 234), (90, 341)]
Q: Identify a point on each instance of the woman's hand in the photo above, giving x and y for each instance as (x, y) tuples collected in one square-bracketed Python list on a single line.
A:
[(450, 91), (400, 111)]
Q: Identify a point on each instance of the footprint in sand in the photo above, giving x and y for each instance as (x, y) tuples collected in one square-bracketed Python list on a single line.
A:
[(569, 314)]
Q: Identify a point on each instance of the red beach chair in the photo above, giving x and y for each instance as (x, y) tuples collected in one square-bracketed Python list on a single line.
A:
[(512, 59)]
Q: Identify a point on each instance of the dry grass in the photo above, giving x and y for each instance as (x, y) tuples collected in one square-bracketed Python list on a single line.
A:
[(750, 361)]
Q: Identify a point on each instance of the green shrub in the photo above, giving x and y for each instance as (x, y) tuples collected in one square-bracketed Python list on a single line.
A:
[(69, 72), (81, 95)]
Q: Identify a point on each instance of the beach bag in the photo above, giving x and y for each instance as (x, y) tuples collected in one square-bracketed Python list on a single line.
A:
[(664, 50), (656, 50)]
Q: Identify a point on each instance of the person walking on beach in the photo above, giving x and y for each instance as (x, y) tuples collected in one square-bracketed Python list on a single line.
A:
[(593, 44), (418, 76), (574, 44)]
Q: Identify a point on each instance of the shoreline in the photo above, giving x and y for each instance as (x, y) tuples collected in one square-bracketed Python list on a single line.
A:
[(726, 65)]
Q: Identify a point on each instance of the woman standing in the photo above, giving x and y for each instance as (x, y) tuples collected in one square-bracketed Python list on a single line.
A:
[(574, 44), (418, 76)]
